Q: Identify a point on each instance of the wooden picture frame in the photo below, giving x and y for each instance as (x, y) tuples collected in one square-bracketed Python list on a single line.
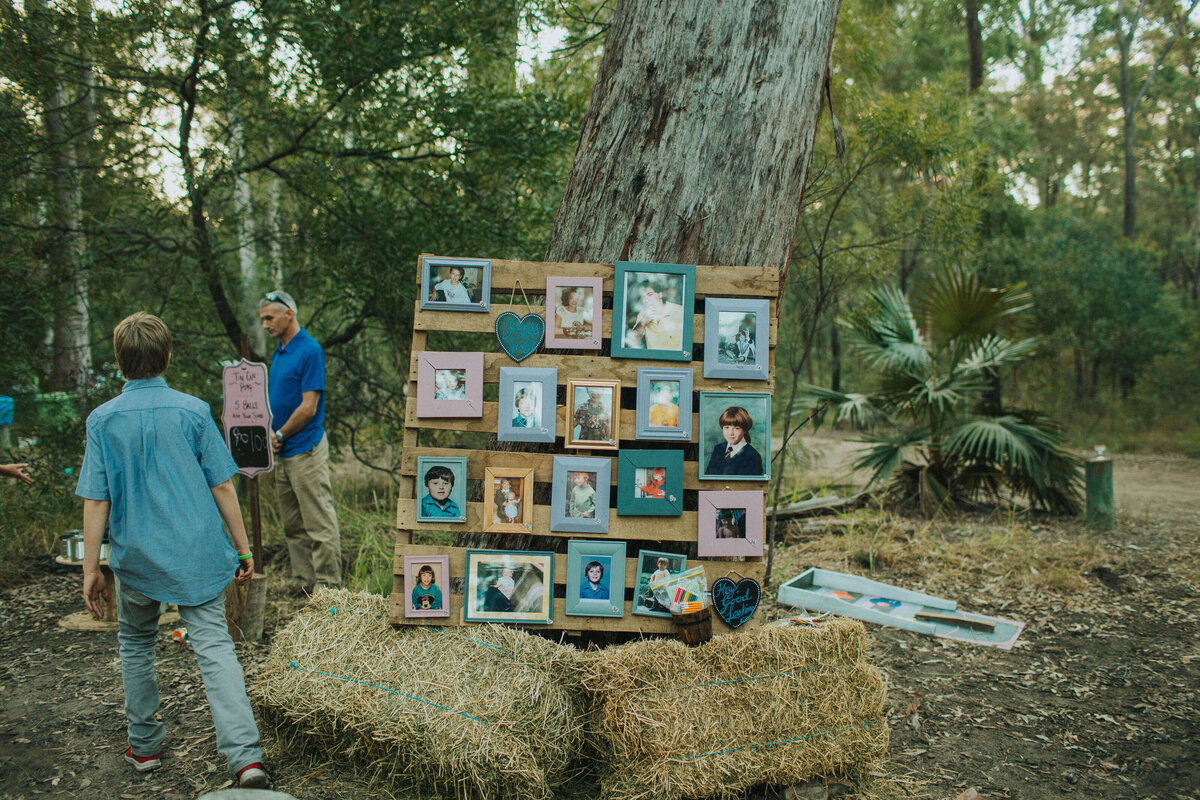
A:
[(566, 503), (752, 451), (527, 394), (653, 309), (473, 290), (449, 384), (642, 492), (586, 332), (436, 504), (664, 413), (606, 597), (589, 428), (508, 500), (514, 586), (437, 589), (722, 531), (733, 346), (648, 562)]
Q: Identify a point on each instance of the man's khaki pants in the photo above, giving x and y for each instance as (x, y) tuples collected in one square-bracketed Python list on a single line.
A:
[(309, 519)]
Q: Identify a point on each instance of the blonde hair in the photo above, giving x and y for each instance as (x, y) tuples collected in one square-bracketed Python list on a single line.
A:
[(142, 343)]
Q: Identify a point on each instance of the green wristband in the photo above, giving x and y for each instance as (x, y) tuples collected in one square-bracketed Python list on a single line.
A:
[(246, 557)]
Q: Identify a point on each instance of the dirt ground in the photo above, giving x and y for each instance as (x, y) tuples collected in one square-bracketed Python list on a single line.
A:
[(1098, 700)]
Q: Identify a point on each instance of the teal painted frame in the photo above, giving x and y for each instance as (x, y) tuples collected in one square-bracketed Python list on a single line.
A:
[(628, 462), (617, 346), (579, 550)]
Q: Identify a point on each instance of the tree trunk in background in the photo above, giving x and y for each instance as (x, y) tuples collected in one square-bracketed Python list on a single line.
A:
[(251, 278), (974, 47), (835, 356), (699, 133), (1129, 217)]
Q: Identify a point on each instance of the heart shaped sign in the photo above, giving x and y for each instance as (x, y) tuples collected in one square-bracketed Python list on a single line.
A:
[(735, 602), (520, 337)]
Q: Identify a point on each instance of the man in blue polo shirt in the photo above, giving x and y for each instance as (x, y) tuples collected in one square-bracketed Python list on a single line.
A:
[(296, 389)]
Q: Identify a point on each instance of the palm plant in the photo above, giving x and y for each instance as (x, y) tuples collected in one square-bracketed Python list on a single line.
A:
[(934, 421)]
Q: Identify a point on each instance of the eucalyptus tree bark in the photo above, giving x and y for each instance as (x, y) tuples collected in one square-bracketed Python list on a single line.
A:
[(974, 46), (699, 133), (248, 263)]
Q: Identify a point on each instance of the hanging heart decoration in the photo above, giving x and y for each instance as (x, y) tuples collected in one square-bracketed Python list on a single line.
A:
[(735, 602), (520, 336)]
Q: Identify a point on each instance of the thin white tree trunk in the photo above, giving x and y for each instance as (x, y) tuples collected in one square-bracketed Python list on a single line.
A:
[(247, 251)]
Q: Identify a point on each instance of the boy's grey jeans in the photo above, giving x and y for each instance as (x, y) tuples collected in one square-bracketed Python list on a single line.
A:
[(224, 683)]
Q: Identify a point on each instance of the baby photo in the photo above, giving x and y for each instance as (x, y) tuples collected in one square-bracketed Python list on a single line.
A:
[(650, 482), (581, 495), (527, 404), (450, 384), (509, 499), (506, 496), (736, 338), (509, 586), (445, 492), (573, 312)]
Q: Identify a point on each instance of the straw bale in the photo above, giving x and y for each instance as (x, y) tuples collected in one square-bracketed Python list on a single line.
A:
[(776, 706), (525, 714)]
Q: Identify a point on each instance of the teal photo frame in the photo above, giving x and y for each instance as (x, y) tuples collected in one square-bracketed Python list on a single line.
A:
[(606, 596), (638, 489), (653, 310)]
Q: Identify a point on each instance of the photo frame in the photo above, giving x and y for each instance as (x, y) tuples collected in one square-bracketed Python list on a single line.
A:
[(449, 384), (593, 592), (574, 323), (471, 292), (528, 407), (653, 311), (426, 597), (514, 586), (749, 412), (650, 483), (441, 489), (649, 563), (664, 404), (593, 414), (572, 507), (730, 524), (508, 500), (737, 338)]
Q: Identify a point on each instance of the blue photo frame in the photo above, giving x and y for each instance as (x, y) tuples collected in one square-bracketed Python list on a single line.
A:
[(752, 451), (664, 396), (472, 292), (653, 311), (606, 596), (527, 394), (565, 510), (431, 508), (737, 336)]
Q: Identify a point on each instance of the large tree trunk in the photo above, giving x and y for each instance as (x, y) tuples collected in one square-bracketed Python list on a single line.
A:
[(974, 47), (699, 133), (1129, 216)]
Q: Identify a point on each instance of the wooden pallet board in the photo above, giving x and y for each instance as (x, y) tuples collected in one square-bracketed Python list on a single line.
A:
[(434, 437)]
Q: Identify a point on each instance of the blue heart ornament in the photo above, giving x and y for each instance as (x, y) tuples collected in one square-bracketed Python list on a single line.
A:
[(735, 602), (520, 336)]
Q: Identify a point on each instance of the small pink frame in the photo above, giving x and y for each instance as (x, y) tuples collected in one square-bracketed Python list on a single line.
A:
[(554, 337), (441, 579), (429, 404), (710, 503)]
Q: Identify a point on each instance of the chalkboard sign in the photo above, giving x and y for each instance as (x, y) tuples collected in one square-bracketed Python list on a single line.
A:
[(247, 416)]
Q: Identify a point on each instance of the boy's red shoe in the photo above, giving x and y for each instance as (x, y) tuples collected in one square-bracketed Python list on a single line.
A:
[(253, 776), (142, 763)]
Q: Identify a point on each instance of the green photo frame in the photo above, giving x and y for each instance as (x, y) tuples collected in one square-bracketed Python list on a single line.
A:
[(653, 307), (642, 490)]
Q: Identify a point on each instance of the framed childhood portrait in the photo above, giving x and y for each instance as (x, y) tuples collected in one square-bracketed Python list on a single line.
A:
[(449, 384), (509, 586), (508, 499), (730, 524), (652, 565), (528, 405), (735, 436), (595, 578), (737, 338), (580, 491), (664, 404), (444, 498), (593, 414), (456, 284), (574, 310), (426, 586), (650, 483), (652, 311)]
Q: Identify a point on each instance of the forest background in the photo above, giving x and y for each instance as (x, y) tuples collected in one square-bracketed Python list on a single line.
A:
[(186, 157)]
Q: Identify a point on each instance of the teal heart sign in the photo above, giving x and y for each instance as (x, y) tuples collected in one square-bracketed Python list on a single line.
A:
[(735, 602), (519, 336)]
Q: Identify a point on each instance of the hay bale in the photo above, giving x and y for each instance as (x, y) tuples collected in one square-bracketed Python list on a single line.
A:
[(488, 712), (775, 706)]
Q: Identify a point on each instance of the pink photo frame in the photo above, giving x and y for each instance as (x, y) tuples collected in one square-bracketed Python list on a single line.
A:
[(449, 384), (438, 589), (591, 299), (730, 524)]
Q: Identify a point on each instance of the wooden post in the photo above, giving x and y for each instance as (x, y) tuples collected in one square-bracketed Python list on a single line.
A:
[(250, 602), (1100, 503)]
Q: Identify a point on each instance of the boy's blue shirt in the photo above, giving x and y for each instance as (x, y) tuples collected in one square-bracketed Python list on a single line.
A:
[(295, 369), (155, 454), (430, 508)]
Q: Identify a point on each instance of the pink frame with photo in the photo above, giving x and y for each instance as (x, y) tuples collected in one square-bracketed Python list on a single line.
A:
[(553, 286), (414, 563), (707, 543), (429, 405)]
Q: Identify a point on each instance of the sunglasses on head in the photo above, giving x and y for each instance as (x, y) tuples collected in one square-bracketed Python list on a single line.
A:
[(275, 297)]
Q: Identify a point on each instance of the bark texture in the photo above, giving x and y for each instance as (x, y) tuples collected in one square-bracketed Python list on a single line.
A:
[(699, 133)]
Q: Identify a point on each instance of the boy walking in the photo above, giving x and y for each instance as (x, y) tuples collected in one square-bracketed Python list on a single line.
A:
[(157, 472)]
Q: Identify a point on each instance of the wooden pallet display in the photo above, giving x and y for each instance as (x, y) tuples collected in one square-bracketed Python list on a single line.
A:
[(637, 532)]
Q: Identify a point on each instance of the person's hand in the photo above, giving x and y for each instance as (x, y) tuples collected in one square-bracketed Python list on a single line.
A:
[(16, 471), (245, 572), (276, 445), (95, 588)]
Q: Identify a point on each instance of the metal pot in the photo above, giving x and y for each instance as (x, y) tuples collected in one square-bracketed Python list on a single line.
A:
[(72, 545)]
